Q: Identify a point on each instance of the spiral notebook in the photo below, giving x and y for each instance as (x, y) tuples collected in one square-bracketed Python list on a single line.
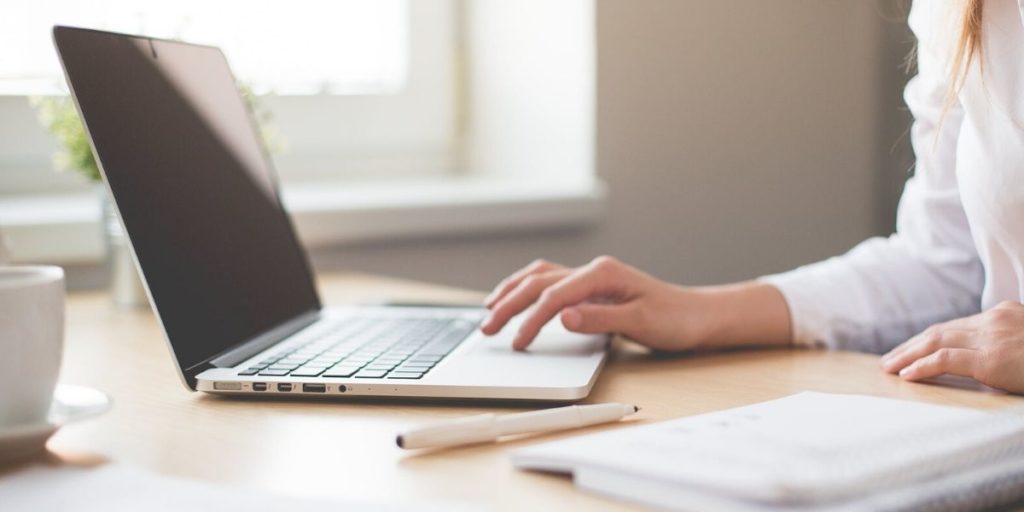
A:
[(806, 451)]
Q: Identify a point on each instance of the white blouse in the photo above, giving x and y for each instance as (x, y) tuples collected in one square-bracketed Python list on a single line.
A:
[(959, 244)]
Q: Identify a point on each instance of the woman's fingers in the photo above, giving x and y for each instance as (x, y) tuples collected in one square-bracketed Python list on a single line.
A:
[(928, 342), (511, 282), (961, 324), (598, 279), (955, 361), (520, 298)]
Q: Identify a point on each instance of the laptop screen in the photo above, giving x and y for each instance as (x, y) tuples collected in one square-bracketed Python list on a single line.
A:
[(194, 188)]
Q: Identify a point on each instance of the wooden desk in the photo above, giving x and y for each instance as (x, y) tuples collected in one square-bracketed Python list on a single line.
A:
[(325, 448)]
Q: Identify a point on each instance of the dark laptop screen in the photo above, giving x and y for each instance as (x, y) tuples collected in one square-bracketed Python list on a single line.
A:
[(195, 190)]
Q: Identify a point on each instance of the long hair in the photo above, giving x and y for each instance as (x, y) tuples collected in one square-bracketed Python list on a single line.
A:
[(968, 44)]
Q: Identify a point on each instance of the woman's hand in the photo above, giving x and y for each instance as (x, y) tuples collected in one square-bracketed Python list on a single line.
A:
[(607, 296), (988, 347)]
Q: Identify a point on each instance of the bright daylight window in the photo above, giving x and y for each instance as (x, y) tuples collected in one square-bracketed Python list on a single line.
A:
[(358, 88), (395, 117), (339, 47)]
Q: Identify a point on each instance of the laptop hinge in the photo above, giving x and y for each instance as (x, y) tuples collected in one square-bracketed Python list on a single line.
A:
[(264, 341)]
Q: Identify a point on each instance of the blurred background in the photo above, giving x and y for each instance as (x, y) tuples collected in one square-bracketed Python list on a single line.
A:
[(453, 141)]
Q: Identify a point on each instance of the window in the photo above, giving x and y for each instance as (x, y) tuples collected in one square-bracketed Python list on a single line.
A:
[(401, 118), (357, 87), (337, 47)]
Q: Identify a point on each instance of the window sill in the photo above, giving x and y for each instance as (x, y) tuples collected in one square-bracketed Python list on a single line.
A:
[(66, 228)]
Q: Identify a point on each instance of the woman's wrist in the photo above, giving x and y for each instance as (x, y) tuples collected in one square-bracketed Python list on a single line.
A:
[(743, 314)]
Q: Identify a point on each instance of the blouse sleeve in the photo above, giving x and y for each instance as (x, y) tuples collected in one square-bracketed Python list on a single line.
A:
[(885, 290)]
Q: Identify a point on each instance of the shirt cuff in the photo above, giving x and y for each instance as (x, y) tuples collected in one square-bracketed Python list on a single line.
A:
[(809, 325)]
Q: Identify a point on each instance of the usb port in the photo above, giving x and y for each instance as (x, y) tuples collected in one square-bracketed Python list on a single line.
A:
[(314, 388), (283, 386), (259, 386)]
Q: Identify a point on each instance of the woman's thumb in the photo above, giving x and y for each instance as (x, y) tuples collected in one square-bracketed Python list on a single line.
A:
[(597, 318)]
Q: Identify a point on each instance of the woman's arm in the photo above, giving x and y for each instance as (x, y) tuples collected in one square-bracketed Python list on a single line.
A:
[(878, 295), (888, 289), (609, 296)]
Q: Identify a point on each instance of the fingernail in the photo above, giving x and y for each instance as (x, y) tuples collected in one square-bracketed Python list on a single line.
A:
[(571, 319), (904, 372)]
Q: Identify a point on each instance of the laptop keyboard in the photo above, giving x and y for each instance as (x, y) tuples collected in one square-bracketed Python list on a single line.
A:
[(370, 347)]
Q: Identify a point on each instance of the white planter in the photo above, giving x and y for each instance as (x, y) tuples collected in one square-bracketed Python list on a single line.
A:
[(125, 284)]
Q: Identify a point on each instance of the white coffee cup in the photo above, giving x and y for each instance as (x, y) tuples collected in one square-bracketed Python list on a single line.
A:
[(31, 341)]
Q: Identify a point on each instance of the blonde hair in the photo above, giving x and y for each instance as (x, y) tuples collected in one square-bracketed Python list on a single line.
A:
[(968, 44)]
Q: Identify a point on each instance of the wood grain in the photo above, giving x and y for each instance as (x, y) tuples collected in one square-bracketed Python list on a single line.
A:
[(346, 449)]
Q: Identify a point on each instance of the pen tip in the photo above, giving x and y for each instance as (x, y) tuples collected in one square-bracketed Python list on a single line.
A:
[(636, 408), (400, 442)]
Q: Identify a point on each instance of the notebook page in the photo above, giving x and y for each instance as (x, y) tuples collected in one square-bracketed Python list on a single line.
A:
[(762, 451)]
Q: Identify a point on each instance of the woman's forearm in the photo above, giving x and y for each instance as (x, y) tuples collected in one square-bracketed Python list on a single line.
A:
[(744, 314)]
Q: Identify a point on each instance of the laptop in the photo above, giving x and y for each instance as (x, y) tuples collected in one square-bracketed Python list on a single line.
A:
[(227, 278)]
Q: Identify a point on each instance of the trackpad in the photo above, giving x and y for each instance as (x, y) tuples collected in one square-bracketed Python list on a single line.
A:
[(553, 340)]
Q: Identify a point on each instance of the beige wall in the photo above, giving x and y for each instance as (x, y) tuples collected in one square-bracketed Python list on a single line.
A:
[(738, 137)]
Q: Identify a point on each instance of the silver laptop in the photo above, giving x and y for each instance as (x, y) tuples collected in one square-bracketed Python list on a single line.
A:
[(225, 273)]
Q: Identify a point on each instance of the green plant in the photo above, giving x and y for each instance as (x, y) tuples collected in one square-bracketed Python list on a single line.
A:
[(273, 140), (59, 116)]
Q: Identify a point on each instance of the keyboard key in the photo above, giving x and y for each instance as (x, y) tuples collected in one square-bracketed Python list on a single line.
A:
[(371, 374), (331, 354), (413, 368), (251, 371), (274, 373), (341, 371), (308, 372), (279, 366), (423, 358), (348, 362), (405, 375), (320, 364), (415, 362)]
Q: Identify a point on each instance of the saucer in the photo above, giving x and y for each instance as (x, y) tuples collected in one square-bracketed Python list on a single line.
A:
[(70, 404)]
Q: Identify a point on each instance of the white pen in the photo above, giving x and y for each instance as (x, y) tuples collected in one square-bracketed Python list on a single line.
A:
[(484, 428)]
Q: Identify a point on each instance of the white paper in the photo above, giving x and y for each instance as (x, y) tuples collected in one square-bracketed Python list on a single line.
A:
[(770, 451), (117, 488)]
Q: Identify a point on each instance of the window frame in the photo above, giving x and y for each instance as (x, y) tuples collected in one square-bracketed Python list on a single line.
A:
[(505, 169)]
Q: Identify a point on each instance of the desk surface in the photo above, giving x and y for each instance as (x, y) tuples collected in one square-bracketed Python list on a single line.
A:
[(325, 448)]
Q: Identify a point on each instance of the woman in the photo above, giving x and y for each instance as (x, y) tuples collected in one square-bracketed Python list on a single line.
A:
[(941, 296)]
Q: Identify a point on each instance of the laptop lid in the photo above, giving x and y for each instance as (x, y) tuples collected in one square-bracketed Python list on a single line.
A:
[(195, 191)]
